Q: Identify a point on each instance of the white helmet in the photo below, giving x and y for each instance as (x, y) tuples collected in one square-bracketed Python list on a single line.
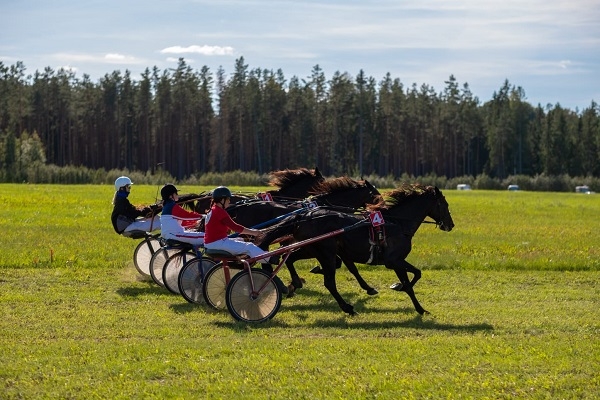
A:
[(122, 181)]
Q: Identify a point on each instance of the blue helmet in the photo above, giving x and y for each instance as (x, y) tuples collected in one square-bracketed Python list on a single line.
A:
[(221, 192)]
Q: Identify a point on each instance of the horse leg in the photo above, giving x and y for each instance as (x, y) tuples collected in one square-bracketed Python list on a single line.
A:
[(371, 291), (318, 270), (407, 285), (413, 270), (296, 282), (408, 268), (327, 261)]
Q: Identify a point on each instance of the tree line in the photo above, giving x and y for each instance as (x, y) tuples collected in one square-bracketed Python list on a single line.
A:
[(189, 122)]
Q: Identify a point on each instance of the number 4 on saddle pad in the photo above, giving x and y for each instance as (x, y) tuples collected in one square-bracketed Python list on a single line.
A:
[(265, 196), (376, 218)]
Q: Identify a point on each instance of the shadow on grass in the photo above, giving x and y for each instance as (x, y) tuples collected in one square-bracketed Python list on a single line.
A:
[(186, 307), (151, 288), (417, 322)]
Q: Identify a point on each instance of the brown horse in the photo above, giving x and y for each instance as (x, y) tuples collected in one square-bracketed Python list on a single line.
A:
[(403, 212), (292, 184)]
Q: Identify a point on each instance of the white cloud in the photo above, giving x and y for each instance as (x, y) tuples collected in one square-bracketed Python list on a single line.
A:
[(114, 58), (564, 64), (204, 50), (109, 58)]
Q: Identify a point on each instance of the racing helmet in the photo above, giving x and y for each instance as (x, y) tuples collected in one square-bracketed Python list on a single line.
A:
[(221, 192), (167, 190), (122, 181)]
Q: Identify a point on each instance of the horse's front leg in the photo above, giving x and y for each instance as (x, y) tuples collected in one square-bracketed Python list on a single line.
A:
[(407, 285), (328, 265), (371, 291), (408, 267)]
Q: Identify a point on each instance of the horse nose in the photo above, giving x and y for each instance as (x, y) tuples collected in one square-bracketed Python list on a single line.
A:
[(447, 227)]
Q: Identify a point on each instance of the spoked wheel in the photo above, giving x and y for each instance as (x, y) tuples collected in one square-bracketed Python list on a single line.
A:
[(215, 284), (157, 262), (143, 253), (173, 265), (190, 278), (248, 306)]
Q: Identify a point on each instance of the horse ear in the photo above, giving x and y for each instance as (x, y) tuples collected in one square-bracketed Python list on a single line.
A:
[(318, 173), (371, 186)]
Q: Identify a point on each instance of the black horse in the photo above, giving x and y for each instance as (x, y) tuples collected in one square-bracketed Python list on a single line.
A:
[(343, 194), (403, 211)]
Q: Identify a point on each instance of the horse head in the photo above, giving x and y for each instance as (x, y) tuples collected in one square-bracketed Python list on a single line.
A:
[(440, 212), (375, 195), (345, 192), (415, 202)]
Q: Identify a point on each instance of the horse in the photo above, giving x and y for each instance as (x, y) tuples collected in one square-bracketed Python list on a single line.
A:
[(292, 184), (342, 194), (402, 212)]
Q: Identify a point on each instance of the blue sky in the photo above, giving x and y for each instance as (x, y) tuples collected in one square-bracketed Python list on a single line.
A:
[(550, 48)]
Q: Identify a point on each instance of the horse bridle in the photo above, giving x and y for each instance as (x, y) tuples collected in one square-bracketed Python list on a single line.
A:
[(438, 197)]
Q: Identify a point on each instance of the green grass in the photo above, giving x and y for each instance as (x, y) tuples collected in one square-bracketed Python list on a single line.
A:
[(512, 292)]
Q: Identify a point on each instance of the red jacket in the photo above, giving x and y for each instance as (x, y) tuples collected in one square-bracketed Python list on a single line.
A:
[(218, 224)]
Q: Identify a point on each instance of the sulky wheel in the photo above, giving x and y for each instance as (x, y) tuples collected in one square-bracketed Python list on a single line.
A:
[(247, 305), (157, 262), (143, 253), (215, 284), (191, 276), (172, 267)]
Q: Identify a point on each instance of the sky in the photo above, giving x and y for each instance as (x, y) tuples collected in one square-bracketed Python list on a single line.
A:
[(549, 48)]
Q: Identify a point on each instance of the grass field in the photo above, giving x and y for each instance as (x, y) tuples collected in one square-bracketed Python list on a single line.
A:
[(512, 290)]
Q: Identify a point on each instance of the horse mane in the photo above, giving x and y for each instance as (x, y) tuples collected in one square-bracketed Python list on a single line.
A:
[(399, 195), (288, 177), (187, 200), (336, 184)]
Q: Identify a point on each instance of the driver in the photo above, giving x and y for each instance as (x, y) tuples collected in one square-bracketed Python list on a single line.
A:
[(218, 224), (176, 222), (125, 216)]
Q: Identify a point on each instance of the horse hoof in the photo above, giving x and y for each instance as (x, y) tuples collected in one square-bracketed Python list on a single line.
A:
[(372, 292), (297, 284), (291, 291), (397, 287), (348, 309)]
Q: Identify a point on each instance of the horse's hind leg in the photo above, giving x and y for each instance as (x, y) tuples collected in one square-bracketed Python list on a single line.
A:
[(297, 282)]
